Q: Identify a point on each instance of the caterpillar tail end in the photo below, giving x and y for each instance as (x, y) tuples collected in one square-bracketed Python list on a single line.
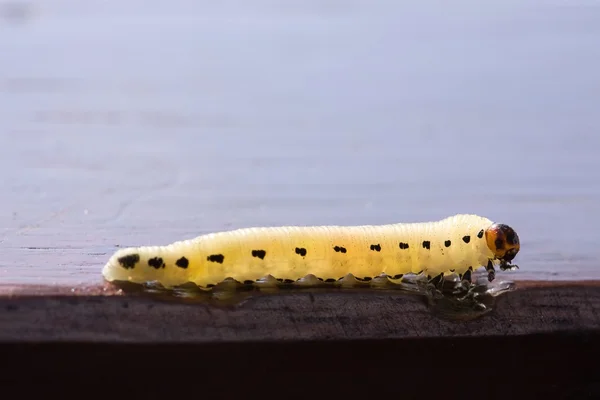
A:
[(119, 266), (144, 266)]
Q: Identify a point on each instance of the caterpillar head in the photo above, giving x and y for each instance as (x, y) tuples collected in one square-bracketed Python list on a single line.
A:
[(503, 241)]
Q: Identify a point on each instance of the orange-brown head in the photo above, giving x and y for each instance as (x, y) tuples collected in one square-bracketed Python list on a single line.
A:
[(503, 241)]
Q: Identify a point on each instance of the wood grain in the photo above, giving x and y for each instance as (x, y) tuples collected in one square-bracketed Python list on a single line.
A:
[(294, 316)]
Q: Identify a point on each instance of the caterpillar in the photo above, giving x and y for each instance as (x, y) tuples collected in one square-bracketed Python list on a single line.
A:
[(454, 245)]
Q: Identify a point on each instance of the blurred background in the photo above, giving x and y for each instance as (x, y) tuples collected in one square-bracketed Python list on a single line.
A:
[(144, 122)]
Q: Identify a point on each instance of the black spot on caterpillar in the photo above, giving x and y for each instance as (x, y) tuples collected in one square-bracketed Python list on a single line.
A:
[(218, 258), (156, 262), (129, 261), (182, 262), (499, 243), (432, 248), (259, 253)]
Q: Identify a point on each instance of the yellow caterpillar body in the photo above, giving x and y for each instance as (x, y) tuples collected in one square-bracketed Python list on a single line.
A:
[(456, 244)]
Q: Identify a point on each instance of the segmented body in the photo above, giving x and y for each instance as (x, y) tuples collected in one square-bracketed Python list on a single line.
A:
[(455, 244)]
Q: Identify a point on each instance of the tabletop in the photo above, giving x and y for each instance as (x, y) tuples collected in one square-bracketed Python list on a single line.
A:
[(134, 123)]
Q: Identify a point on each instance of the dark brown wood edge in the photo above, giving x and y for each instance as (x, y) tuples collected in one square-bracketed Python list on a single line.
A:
[(306, 315), (558, 365)]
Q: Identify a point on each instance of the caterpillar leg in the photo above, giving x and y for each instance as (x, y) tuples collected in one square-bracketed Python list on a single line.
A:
[(437, 281), (507, 266), (467, 275), (449, 286), (491, 271)]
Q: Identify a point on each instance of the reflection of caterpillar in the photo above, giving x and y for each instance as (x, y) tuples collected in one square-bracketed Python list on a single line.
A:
[(456, 244)]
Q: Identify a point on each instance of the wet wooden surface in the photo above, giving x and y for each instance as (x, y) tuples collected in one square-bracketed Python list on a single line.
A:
[(126, 125), (91, 316)]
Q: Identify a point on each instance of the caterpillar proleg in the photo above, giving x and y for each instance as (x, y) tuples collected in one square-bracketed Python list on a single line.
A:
[(457, 244)]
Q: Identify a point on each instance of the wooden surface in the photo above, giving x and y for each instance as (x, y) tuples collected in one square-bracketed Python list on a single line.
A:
[(542, 341), (294, 316), (126, 125)]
